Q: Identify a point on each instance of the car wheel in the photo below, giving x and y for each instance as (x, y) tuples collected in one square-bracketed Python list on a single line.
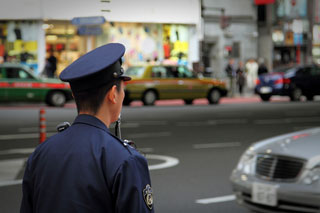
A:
[(214, 96), (296, 94), (188, 101), (310, 97), (265, 97), (56, 98), (149, 97), (126, 101)]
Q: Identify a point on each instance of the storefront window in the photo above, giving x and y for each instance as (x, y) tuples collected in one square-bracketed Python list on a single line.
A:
[(291, 8), (19, 42), (63, 43)]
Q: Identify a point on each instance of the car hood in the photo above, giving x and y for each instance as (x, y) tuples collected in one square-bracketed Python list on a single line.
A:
[(302, 144)]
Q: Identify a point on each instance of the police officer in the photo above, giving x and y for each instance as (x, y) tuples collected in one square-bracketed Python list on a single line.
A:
[(85, 168)]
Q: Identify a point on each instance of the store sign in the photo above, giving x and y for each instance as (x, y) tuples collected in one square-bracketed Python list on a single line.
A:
[(89, 30), (316, 34), (260, 2), (93, 20)]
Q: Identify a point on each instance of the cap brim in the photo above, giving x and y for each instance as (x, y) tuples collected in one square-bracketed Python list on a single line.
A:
[(125, 78)]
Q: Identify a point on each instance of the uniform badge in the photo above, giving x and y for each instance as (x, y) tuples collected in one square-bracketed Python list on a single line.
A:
[(147, 195)]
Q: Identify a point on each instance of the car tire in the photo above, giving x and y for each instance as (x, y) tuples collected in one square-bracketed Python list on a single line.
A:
[(265, 97), (214, 96), (149, 97), (310, 97), (126, 101), (56, 98), (188, 101), (296, 94)]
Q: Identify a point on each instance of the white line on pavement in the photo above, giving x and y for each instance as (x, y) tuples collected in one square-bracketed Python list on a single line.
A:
[(146, 149), (216, 145), (10, 168), (288, 120), (17, 151), (168, 161), (24, 136), (10, 182), (149, 135), (216, 199)]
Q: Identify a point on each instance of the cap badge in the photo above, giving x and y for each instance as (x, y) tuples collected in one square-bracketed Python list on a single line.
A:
[(147, 195)]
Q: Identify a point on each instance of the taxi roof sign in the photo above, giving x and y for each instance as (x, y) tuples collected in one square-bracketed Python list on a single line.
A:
[(92, 20)]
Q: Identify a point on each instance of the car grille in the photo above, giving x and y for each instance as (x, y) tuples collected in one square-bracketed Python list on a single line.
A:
[(278, 168)]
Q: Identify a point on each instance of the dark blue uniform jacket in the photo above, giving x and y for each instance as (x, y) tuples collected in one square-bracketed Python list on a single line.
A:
[(86, 169)]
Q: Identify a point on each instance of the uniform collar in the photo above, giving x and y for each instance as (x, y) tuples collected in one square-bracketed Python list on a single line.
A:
[(90, 120)]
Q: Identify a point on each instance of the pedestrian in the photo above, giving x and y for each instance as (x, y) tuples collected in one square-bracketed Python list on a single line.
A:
[(262, 69), (251, 73), (85, 168), (231, 73), (51, 65), (241, 77)]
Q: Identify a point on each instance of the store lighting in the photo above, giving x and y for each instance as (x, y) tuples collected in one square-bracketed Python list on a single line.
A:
[(47, 26), (52, 37)]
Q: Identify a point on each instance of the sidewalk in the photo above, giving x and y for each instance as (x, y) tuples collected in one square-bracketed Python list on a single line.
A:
[(237, 99)]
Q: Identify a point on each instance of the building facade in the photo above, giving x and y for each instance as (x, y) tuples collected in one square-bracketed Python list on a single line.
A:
[(230, 31), (150, 30)]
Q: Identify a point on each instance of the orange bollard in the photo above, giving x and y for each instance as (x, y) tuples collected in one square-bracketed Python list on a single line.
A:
[(42, 126)]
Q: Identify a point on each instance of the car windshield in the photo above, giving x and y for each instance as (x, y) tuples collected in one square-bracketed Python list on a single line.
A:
[(135, 71), (283, 69)]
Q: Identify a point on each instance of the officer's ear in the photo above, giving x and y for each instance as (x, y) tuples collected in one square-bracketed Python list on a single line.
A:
[(112, 94)]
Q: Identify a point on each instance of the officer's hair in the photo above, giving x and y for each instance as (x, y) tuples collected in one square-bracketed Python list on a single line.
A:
[(91, 100)]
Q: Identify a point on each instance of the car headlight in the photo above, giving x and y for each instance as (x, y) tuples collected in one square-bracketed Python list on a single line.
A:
[(247, 161), (312, 175)]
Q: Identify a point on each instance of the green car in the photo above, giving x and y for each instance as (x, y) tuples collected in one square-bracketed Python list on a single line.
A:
[(19, 84), (160, 82)]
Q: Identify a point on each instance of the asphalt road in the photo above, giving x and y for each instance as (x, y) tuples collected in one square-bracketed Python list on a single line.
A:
[(191, 150)]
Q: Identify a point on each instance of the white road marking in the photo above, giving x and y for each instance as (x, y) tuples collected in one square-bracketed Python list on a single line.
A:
[(150, 135), (146, 149), (227, 121), (154, 123), (28, 129), (188, 123), (216, 199), (168, 161), (24, 136), (216, 145), (288, 120), (298, 128), (10, 182), (17, 151), (9, 168), (212, 122)]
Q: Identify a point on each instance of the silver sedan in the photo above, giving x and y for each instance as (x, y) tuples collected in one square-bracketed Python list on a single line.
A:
[(280, 174)]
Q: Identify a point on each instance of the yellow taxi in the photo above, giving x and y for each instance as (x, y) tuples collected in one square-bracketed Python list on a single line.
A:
[(159, 82)]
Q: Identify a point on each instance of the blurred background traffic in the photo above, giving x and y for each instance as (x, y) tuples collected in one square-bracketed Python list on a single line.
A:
[(221, 75)]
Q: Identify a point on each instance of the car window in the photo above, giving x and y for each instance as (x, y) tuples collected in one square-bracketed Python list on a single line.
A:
[(178, 72), (135, 71), (158, 72), (17, 73), (304, 71), (184, 72), (315, 70)]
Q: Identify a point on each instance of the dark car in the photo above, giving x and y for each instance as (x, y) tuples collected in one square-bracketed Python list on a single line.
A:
[(293, 81), (19, 84)]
